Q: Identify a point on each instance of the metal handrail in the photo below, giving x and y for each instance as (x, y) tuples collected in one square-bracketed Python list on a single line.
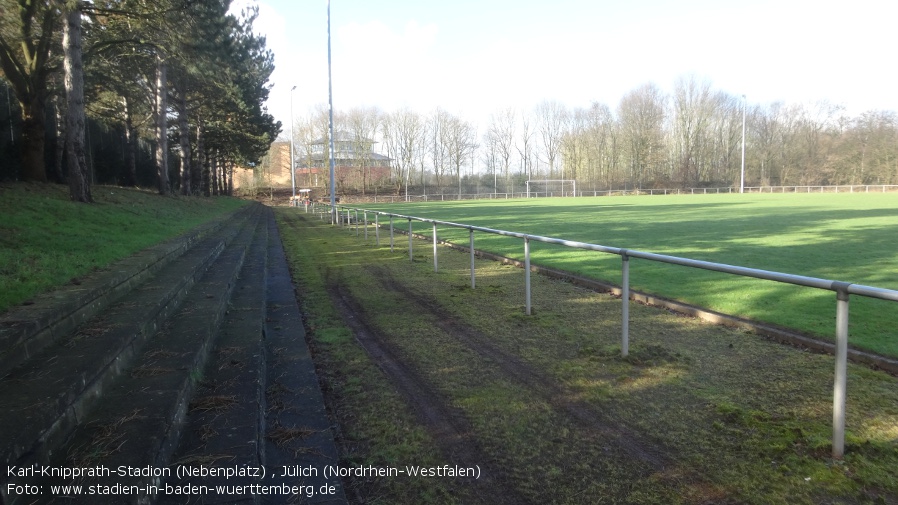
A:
[(842, 289), (442, 196)]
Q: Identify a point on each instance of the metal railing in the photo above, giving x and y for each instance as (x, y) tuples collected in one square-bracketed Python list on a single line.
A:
[(451, 196), (345, 216)]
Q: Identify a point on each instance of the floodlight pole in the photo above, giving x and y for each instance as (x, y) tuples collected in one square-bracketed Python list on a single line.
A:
[(292, 151), (330, 101), (742, 176)]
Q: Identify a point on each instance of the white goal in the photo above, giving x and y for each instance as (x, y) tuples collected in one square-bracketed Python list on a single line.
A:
[(551, 187)]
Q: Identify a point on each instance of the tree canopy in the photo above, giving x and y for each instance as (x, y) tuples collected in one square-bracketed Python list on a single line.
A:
[(153, 71)]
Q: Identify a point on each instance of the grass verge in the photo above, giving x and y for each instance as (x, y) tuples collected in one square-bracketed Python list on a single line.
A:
[(696, 414), (376, 427), (46, 240)]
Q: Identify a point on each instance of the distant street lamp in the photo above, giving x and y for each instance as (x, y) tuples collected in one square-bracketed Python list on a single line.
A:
[(742, 177), (292, 167)]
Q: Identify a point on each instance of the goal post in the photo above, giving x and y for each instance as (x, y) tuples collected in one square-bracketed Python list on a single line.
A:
[(551, 187)]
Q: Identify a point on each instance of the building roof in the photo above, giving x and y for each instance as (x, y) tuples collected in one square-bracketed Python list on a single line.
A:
[(344, 136), (315, 157)]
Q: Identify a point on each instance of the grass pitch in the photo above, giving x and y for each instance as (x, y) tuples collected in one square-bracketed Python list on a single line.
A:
[(845, 237)]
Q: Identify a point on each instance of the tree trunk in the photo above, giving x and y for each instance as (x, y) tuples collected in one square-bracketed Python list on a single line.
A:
[(184, 138), (213, 174), (222, 169), (229, 189), (161, 125), (33, 136), (60, 140), (78, 177), (130, 145), (201, 173)]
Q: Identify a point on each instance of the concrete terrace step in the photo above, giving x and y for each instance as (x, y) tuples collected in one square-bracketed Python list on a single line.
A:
[(138, 421), (26, 330), (299, 432), (259, 408), (223, 425), (203, 366), (44, 397)]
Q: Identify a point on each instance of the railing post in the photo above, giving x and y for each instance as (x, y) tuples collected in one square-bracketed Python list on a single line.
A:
[(841, 381), (435, 269), (377, 229), (471, 248), (625, 307), (391, 233), (366, 224), (527, 274), (410, 240), (356, 222)]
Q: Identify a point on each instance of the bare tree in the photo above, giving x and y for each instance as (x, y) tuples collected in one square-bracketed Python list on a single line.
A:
[(551, 117), (438, 142), (726, 125), (403, 131), (460, 142), (693, 110), (817, 127), (304, 134), (364, 124), (641, 114), (491, 157), (501, 134), (524, 146), (574, 146), (874, 137), (602, 132)]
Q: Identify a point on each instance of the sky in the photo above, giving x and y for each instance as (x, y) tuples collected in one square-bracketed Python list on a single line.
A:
[(475, 57)]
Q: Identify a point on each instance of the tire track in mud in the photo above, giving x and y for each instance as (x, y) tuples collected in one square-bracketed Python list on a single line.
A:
[(448, 426), (622, 439)]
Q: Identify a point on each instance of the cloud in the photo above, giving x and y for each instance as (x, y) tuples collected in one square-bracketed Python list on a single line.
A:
[(373, 47), (374, 63)]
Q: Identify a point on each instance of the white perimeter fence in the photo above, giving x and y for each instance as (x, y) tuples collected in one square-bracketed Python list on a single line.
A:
[(440, 197), (345, 216)]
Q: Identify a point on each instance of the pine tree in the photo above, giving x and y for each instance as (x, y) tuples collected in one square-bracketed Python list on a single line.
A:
[(27, 41)]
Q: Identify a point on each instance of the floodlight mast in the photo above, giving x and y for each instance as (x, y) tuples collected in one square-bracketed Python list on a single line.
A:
[(330, 101)]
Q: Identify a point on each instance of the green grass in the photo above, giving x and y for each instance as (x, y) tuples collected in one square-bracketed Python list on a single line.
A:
[(845, 237), (377, 428), (744, 419), (46, 240)]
